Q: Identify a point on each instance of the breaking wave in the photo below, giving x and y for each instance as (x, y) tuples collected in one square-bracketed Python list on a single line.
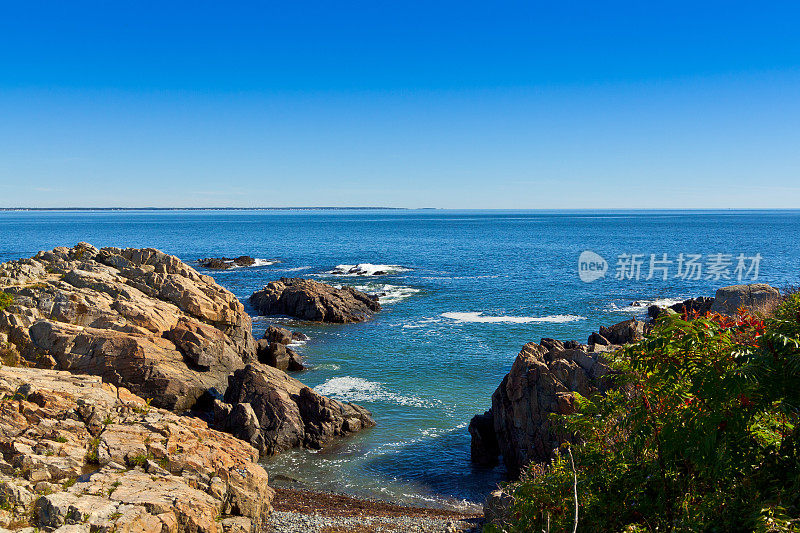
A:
[(480, 317), (352, 389), (366, 269)]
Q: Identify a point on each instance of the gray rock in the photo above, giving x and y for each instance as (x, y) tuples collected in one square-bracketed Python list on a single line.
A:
[(282, 413), (757, 298), (312, 300)]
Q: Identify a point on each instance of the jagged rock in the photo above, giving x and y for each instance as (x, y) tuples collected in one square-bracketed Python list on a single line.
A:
[(277, 355), (757, 298), (137, 317), (285, 412), (623, 332), (484, 448), (182, 476), (311, 300), (279, 335), (541, 382), (224, 263), (699, 305)]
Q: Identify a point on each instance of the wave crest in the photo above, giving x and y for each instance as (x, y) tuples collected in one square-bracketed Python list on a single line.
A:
[(366, 269), (352, 389), (481, 318)]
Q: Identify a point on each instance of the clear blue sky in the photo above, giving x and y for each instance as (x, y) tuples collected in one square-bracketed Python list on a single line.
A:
[(414, 104)]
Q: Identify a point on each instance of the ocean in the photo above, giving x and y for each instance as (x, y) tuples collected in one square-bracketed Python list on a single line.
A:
[(462, 292)]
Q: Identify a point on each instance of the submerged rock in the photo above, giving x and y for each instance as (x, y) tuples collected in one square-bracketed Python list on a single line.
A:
[(137, 317), (85, 454), (312, 300), (274, 412)]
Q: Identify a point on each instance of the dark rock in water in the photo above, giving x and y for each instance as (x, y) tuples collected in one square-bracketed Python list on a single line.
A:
[(224, 263), (312, 300), (483, 447), (280, 412), (279, 335), (244, 260), (277, 355), (301, 337), (756, 298), (139, 318), (540, 383), (624, 332), (691, 306)]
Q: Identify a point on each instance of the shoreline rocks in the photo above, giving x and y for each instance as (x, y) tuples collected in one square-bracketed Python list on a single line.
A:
[(274, 412), (541, 382), (757, 298), (85, 455), (143, 320), (137, 317), (311, 300)]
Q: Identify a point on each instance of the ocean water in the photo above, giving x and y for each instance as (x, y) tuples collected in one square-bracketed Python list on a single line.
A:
[(462, 292)]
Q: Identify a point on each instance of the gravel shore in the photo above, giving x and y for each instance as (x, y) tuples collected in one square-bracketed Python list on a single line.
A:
[(298, 511)]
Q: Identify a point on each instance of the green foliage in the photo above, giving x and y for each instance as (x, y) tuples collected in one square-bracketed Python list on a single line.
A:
[(5, 300), (699, 433), (91, 454)]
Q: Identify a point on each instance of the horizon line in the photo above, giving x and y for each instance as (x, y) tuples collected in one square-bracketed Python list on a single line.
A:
[(385, 208)]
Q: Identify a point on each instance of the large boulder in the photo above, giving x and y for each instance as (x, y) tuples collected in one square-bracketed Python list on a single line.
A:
[(137, 317), (756, 298), (274, 412), (279, 356), (542, 382), (312, 300), (83, 453)]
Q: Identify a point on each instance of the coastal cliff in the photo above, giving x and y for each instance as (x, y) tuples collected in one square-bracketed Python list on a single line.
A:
[(105, 352)]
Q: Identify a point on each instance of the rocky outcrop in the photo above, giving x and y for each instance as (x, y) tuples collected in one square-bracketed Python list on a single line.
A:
[(624, 332), (278, 355), (137, 317), (700, 305), (757, 298), (312, 300), (82, 455), (541, 382), (273, 351), (274, 412), (224, 263)]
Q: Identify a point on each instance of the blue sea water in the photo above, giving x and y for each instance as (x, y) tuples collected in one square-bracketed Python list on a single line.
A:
[(473, 288)]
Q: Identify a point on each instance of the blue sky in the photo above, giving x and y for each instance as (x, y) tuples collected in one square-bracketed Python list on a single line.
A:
[(407, 104)]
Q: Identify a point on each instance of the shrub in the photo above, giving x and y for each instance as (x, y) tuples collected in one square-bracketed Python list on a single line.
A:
[(699, 434), (5, 300)]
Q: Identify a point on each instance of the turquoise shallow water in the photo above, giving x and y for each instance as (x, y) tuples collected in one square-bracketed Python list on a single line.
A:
[(473, 287)]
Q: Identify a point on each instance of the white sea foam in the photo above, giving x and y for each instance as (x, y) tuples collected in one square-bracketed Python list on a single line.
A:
[(480, 317), (352, 389), (326, 366), (295, 269), (264, 262), (387, 293), (640, 306), (366, 269)]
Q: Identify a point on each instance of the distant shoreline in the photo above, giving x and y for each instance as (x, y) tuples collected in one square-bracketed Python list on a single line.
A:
[(210, 208)]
